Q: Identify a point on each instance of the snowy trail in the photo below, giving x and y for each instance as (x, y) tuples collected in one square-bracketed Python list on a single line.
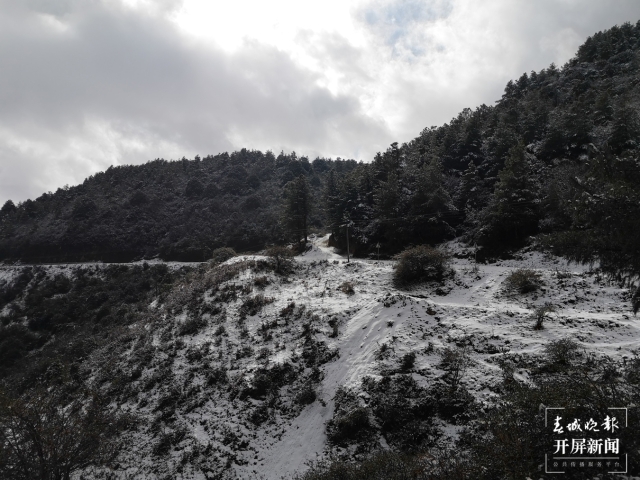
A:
[(306, 437)]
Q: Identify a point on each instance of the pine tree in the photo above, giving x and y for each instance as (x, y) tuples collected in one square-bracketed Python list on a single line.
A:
[(431, 207), (606, 217), (625, 127), (512, 213), (469, 191), (387, 197), (297, 207), (332, 200)]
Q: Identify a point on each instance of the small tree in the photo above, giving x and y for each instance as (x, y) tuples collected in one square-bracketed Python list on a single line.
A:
[(540, 314), (455, 362), (281, 257), (44, 437)]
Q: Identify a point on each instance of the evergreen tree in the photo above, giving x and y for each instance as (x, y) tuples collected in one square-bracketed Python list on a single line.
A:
[(512, 213), (470, 186), (606, 216), (297, 207), (625, 127), (431, 207), (387, 197), (332, 200)]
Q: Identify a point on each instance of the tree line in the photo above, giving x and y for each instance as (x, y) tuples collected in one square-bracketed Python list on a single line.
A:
[(556, 157)]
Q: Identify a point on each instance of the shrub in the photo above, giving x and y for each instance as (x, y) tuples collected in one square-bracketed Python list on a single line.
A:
[(281, 258), (46, 435), (333, 323), (217, 376), (561, 352), (191, 326), (263, 353), (408, 360), (540, 314), (347, 287), (348, 426), (259, 415), (509, 438), (404, 411), (261, 282), (307, 395), (252, 305), (221, 255), (523, 280), (455, 361), (350, 422), (388, 465), (422, 263)]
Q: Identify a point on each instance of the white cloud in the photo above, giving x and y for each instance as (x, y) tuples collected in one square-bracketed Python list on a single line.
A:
[(88, 83)]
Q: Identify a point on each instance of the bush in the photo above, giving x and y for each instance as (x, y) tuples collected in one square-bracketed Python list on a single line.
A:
[(418, 264), (523, 280), (561, 352), (455, 362), (509, 439), (347, 287), (350, 422), (540, 314), (306, 396), (252, 305), (404, 411), (217, 376), (281, 258), (261, 282), (221, 255), (348, 426), (408, 360), (47, 436), (192, 326)]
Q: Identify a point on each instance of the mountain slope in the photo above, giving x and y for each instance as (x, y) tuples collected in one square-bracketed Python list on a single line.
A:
[(239, 370)]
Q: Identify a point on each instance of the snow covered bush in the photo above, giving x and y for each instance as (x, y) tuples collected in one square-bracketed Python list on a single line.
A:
[(347, 287), (281, 258), (408, 361), (523, 280), (223, 254), (350, 422), (541, 313), (193, 325), (404, 410), (252, 305), (421, 263), (561, 352)]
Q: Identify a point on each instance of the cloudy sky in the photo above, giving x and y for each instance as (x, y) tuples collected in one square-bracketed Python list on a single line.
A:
[(85, 84)]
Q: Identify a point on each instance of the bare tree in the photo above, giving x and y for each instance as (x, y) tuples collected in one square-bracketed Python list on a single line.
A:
[(44, 437)]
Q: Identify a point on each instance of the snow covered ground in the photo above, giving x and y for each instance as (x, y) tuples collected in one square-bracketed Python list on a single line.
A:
[(471, 306)]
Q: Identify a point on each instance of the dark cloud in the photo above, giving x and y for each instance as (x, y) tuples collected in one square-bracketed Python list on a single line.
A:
[(77, 73), (90, 83)]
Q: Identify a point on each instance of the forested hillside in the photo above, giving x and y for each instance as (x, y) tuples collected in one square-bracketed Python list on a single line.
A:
[(314, 366), (556, 155), (179, 210)]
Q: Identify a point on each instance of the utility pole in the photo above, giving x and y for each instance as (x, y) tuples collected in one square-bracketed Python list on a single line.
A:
[(347, 221), (347, 224)]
